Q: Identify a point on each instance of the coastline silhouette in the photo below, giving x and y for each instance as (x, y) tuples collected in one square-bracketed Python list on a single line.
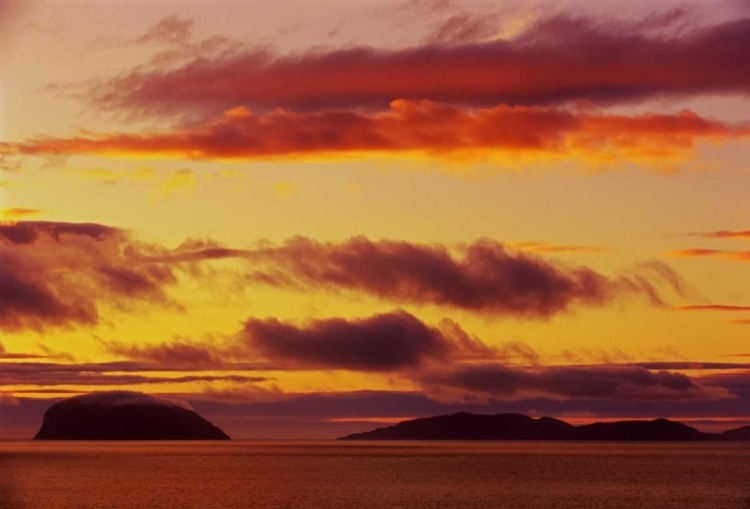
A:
[(468, 426)]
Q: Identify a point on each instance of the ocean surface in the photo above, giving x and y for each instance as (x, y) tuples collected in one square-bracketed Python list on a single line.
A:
[(343, 475)]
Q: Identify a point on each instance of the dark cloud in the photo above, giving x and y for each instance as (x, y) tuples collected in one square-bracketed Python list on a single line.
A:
[(177, 353), (688, 365), (394, 341), (61, 274), (385, 342), (58, 274), (737, 382), (484, 278), (47, 374), (597, 382), (27, 232), (556, 60)]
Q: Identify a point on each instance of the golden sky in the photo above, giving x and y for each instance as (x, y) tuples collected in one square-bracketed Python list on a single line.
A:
[(307, 217)]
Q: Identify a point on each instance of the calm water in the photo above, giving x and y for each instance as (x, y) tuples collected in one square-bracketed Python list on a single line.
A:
[(373, 475)]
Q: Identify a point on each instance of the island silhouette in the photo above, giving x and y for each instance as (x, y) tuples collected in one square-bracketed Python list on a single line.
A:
[(468, 426), (125, 415)]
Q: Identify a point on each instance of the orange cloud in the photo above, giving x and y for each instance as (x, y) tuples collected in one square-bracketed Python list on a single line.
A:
[(16, 213), (737, 256), (424, 128), (543, 247)]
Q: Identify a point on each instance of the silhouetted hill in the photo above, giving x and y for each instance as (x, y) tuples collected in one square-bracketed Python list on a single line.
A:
[(656, 430), (124, 415), (466, 426), (737, 434)]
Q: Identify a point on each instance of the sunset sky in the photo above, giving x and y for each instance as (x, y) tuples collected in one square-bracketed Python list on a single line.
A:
[(313, 217)]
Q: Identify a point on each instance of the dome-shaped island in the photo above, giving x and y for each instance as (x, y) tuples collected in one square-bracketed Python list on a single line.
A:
[(123, 415)]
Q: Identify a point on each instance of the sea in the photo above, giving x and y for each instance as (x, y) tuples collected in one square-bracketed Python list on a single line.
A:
[(373, 475)]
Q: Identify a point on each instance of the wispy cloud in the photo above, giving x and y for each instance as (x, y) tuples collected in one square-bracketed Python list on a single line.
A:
[(713, 307), (546, 248), (483, 277), (551, 60)]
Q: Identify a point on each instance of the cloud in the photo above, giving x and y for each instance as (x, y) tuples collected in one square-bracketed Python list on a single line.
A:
[(425, 128), (169, 30), (689, 365), (182, 354), (597, 382), (713, 307), (724, 234), (387, 342), (456, 24), (28, 232), (60, 274), (735, 256), (693, 253), (462, 27), (558, 59), (745, 321), (63, 274), (113, 374), (546, 248), (17, 213), (5, 355), (384, 342), (482, 277)]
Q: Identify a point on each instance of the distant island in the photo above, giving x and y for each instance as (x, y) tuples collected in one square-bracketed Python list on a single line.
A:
[(467, 426), (123, 415)]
